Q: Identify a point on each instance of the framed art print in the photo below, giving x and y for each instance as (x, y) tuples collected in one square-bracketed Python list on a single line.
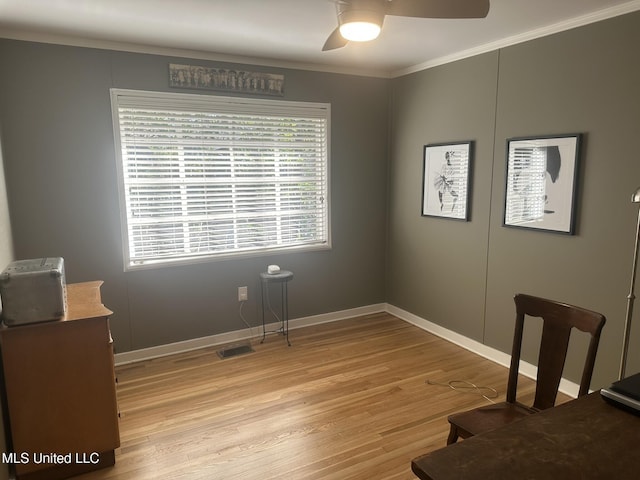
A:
[(445, 181), (541, 182)]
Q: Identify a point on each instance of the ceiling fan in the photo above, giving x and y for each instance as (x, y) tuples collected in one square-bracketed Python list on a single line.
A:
[(361, 20)]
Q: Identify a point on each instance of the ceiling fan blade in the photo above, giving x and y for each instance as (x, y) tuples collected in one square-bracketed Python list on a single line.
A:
[(334, 41), (438, 8)]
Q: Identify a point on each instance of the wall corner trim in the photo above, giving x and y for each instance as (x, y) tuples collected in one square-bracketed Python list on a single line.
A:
[(239, 335), (528, 370)]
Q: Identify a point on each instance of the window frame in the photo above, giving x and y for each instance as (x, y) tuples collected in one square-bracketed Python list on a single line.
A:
[(219, 104)]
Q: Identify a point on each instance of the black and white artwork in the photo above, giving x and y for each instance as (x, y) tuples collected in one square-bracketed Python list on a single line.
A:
[(541, 182), (445, 182), (225, 79)]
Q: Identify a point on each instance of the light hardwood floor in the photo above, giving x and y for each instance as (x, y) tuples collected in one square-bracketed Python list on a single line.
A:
[(348, 400)]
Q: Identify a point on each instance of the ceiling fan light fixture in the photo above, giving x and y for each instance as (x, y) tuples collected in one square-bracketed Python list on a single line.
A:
[(360, 31), (360, 25)]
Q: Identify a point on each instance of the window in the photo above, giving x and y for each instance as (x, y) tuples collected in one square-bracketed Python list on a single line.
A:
[(205, 176)]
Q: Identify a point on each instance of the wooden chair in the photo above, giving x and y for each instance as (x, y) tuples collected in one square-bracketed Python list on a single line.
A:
[(558, 321)]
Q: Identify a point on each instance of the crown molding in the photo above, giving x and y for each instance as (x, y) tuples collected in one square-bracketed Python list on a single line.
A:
[(102, 44), (598, 16)]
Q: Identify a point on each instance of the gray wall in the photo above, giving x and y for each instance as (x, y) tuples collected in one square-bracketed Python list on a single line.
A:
[(463, 275), (61, 180)]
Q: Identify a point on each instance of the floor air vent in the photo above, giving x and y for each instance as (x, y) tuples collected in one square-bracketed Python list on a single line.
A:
[(234, 351)]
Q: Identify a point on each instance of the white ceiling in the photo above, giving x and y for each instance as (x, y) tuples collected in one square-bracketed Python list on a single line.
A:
[(290, 32)]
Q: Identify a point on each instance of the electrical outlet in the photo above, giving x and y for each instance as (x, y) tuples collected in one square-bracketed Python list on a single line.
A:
[(243, 294)]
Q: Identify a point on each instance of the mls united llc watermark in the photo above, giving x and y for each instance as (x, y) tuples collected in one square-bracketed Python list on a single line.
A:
[(51, 458)]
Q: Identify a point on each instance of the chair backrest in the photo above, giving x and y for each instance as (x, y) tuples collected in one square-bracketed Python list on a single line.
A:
[(558, 321)]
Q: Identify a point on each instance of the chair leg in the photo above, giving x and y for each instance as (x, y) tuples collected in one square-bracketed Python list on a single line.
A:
[(453, 435)]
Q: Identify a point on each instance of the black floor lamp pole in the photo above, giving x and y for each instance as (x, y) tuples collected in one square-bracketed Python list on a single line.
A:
[(631, 297)]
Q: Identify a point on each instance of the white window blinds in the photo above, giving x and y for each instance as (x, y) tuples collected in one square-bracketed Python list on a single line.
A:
[(206, 176)]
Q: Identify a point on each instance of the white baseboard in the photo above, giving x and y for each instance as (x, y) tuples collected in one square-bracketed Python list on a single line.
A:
[(528, 370), (240, 335)]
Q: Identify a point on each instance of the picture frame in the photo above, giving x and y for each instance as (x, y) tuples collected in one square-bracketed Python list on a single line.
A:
[(540, 186), (445, 180), (225, 79)]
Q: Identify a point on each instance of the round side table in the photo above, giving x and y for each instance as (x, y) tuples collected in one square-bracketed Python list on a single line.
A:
[(283, 277)]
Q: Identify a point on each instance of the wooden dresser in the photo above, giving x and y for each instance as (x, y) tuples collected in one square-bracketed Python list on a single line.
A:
[(61, 414)]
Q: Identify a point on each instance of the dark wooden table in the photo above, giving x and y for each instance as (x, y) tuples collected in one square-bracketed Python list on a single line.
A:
[(583, 439)]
